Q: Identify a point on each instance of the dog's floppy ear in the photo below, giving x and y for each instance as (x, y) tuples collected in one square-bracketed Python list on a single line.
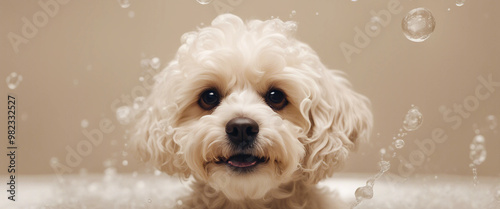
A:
[(153, 138), (339, 118)]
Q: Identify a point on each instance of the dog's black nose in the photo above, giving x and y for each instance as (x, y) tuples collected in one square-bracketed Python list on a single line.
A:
[(242, 132)]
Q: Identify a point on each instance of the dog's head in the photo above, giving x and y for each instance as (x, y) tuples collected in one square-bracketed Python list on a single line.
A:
[(247, 108)]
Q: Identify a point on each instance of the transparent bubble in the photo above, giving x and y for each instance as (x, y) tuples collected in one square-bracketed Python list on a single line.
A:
[(157, 172), (123, 115), (138, 102), (54, 161), (399, 143), (460, 3), (365, 192), (124, 162), (155, 63), (384, 166), (477, 150), (13, 80), (131, 14), (141, 78), (317, 13), (124, 3), (292, 14), (204, 2), (179, 202), (413, 119), (84, 123), (382, 151), (291, 26), (418, 24), (492, 121)]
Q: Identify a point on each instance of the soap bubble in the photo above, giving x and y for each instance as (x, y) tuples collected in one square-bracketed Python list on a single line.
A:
[(122, 115), (131, 14), (292, 14), (460, 3), (13, 80), (155, 63), (477, 150), (492, 120), (365, 192), (204, 2), (399, 143), (138, 102), (418, 24), (124, 3), (84, 123), (384, 166), (413, 119)]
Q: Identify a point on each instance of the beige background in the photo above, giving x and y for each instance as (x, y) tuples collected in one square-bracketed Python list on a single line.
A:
[(88, 55)]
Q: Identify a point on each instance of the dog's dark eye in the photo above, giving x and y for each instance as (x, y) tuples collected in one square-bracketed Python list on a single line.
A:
[(276, 99), (209, 99)]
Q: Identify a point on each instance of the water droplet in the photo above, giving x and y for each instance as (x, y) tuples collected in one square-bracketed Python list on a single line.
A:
[(492, 121), (449, 9), (317, 13), (131, 14), (157, 172), (365, 192), (477, 150), (384, 166), (204, 2), (292, 14), (141, 78), (460, 3), (84, 123), (413, 119), (122, 115), (124, 162), (418, 24), (13, 80), (399, 143), (138, 103), (124, 3), (155, 63)]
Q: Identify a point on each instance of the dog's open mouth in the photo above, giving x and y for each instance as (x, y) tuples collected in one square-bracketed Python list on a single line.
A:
[(242, 162)]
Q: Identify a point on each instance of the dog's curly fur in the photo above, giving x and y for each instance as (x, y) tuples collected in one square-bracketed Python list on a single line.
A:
[(303, 143)]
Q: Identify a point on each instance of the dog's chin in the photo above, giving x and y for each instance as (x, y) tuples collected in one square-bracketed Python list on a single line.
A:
[(244, 176)]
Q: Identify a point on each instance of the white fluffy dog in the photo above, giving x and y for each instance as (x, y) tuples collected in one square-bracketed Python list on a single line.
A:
[(253, 116)]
